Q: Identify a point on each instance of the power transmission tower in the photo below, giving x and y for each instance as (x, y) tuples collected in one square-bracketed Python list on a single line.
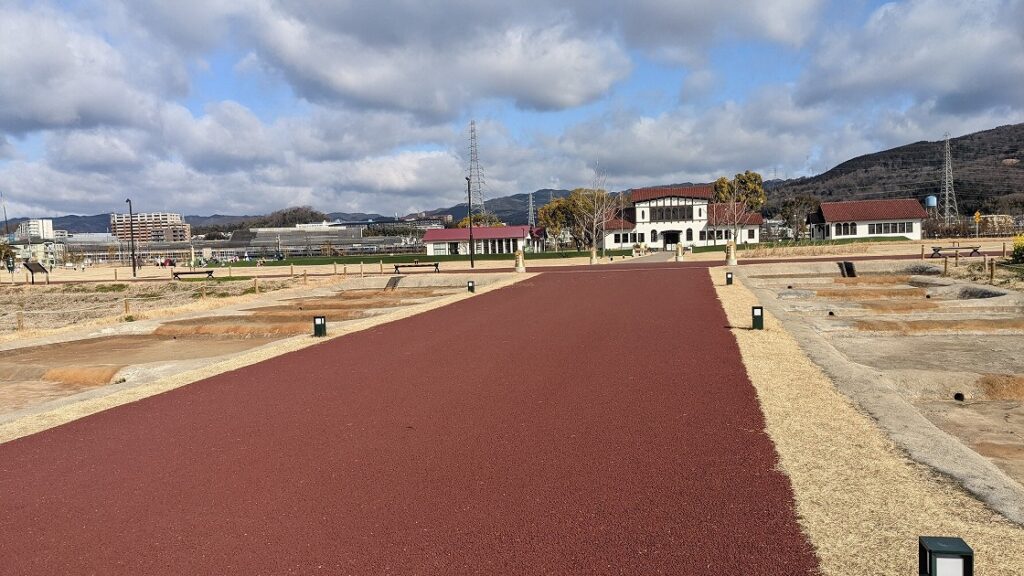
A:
[(476, 174), (531, 218), (949, 210)]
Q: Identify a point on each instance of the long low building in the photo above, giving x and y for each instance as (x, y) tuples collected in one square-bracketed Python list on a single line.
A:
[(867, 219), (487, 240)]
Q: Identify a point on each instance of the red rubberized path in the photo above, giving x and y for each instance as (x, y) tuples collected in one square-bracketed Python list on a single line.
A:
[(588, 423)]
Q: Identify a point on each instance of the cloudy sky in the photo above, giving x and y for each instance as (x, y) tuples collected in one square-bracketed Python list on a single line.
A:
[(246, 106)]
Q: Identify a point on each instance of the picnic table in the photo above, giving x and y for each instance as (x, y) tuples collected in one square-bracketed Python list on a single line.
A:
[(937, 250), (435, 265), (178, 274)]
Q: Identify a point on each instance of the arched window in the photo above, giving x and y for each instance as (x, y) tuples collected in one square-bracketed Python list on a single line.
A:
[(689, 234), (853, 228), (839, 229), (654, 235), (846, 228)]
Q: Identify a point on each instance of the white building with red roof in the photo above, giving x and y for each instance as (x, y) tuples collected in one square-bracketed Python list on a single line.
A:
[(488, 240), (664, 216), (867, 219)]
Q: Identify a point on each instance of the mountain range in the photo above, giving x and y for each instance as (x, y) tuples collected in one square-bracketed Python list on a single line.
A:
[(988, 175)]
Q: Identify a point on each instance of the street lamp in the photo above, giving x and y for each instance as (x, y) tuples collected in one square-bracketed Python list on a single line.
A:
[(131, 234), (472, 247)]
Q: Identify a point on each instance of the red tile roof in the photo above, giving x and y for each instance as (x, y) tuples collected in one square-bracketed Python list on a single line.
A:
[(861, 210), (619, 224), (722, 214), (479, 233), (702, 191)]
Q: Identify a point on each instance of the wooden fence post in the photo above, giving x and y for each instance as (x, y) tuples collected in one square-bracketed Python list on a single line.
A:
[(922, 251), (945, 265), (360, 268), (381, 267), (256, 284), (115, 274), (305, 279), (335, 268), (1004, 249), (344, 270), (127, 307), (992, 272), (956, 258), (291, 269), (229, 271)]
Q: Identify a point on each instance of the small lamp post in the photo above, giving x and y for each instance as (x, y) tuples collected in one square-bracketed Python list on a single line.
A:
[(757, 317), (943, 556), (471, 286), (319, 326), (728, 278)]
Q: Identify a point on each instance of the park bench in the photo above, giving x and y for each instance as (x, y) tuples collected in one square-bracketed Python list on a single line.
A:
[(178, 274), (435, 265), (937, 250)]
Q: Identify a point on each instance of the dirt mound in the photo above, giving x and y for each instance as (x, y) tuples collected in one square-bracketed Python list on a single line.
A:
[(870, 293), (950, 325)]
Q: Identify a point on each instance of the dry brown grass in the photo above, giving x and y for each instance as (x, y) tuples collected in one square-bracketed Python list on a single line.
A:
[(82, 375), (237, 329), (884, 306), (1002, 386), (880, 279), (870, 293), (948, 325), (860, 500)]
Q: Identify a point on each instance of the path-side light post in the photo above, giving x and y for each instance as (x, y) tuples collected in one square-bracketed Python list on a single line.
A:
[(942, 556), (757, 318), (472, 247), (131, 235), (728, 278)]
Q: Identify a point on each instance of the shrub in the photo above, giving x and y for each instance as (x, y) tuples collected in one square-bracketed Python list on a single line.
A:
[(1017, 256)]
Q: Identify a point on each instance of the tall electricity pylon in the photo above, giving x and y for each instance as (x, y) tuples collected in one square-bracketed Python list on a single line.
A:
[(476, 174), (948, 209)]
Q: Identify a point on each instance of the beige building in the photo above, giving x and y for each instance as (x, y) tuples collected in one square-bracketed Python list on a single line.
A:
[(151, 227)]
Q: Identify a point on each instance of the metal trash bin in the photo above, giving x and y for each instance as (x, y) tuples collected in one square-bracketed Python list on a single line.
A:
[(319, 326)]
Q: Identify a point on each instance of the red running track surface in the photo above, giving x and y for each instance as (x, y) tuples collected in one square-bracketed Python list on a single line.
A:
[(589, 423)]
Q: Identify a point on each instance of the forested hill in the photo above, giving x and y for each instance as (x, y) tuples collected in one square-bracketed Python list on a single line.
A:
[(988, 173)]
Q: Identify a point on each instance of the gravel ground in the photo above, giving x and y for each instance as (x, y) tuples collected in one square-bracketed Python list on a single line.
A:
[(860, 500)]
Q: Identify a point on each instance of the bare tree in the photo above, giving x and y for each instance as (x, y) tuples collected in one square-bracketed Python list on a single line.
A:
[(592, 208)]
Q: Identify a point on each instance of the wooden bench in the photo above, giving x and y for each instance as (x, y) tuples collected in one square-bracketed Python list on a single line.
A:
[(937, 250), (435, 265), (178, 275)]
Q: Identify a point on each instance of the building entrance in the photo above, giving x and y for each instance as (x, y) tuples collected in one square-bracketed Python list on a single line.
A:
[(670, 238)]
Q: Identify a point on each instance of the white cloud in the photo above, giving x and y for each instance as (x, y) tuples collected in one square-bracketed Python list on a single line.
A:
[(962, 56), (55, 75)]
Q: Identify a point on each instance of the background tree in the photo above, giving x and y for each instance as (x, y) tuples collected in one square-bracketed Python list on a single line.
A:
[(739, 197), (557, 218), (795, 210)]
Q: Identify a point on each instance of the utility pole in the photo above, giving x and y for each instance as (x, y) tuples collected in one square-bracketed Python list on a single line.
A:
[(472, 246), (131, 235), (7, 227), (531, 220)]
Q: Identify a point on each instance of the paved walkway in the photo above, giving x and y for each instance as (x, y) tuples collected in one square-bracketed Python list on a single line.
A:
[(596, 423)]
